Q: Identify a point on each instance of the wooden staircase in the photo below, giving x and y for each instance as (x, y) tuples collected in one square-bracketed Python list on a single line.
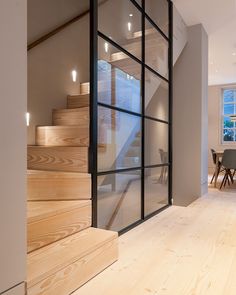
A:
[(64, 251)]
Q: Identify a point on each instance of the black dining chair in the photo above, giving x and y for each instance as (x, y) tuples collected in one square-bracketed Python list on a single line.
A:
[(229, 164), (219, 165)]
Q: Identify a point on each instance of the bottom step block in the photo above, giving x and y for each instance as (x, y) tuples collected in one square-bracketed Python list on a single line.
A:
[(66, 265)]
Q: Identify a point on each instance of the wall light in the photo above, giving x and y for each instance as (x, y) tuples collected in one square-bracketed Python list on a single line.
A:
[(74, 75), (27, 118), (129, 26), (106, 47)]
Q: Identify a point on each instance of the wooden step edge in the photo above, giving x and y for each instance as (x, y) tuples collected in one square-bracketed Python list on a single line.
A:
[(45, 213), (61, 127), (79, 109), (82, 96), (31, 173), (48, 253)]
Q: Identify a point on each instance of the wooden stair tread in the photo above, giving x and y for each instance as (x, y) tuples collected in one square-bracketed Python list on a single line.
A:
[(39, 210), (48, 260), (62, 135)]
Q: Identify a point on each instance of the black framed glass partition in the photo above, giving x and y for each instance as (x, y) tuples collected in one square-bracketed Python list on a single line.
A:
[(131, 118)]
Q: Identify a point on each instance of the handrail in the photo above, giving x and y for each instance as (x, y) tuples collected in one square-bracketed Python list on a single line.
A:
[(59, 28)]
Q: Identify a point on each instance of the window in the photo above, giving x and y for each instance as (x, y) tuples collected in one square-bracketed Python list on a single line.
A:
[(229, 109)]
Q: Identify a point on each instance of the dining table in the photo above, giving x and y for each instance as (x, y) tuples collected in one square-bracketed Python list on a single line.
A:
[(219, 155)]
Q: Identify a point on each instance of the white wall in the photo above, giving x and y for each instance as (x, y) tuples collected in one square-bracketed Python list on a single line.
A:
[(13, 143), (190, 119), (215, 123)]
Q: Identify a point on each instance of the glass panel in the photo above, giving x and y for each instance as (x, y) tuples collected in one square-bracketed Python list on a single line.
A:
[(229, 109), (158, 10), (230, 95), (139, 2), (156, 97), (119, 200), (156, 142), (156, 189), (119, 20), (119, 140), (228, 123), (156, 50), (229, 135), (118, 78)]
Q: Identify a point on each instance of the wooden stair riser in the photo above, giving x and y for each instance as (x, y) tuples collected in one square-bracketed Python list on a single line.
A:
[(62, 136), (134, 151), (56, 227), (70, 159), (72, 277), (48, 185), (78, 101), (71, 117), (132, 161), (85, 88)]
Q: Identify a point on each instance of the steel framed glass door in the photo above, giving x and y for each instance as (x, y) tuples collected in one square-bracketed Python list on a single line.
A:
[(131, 110)]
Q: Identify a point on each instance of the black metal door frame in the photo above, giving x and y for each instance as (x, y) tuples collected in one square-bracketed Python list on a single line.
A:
[(93, 167)]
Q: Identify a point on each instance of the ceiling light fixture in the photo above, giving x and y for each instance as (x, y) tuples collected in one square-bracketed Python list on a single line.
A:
[(130, 14), (234, 53)]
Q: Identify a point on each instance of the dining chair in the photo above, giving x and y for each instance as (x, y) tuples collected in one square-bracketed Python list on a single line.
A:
[(229, 164), (213, 153)]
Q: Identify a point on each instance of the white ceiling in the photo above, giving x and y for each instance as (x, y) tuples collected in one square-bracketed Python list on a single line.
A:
[(219, 19)]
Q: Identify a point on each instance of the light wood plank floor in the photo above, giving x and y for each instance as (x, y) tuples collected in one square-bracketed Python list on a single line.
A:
[(182, 251)]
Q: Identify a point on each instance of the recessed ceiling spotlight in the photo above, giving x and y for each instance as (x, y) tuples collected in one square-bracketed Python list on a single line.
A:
[(131, 14)]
